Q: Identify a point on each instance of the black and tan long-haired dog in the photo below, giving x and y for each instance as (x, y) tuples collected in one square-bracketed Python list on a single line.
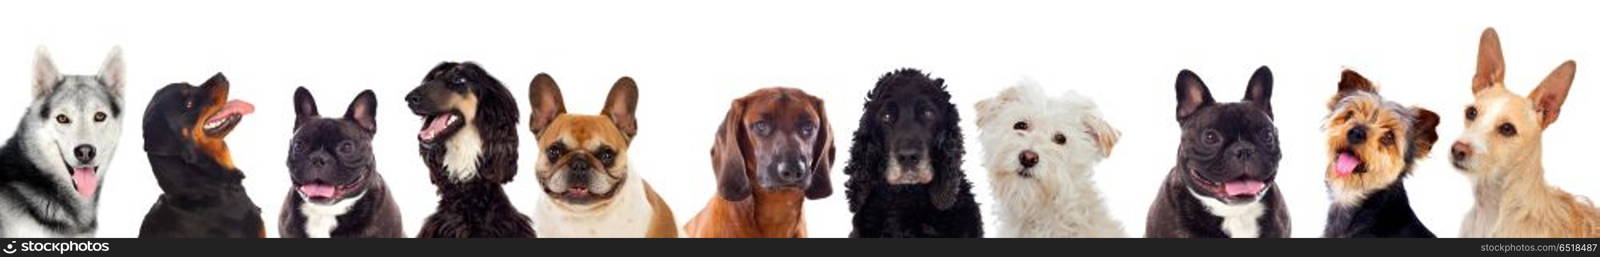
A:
[(905, 163), (202, 194), (1373, 143), (469, 142)]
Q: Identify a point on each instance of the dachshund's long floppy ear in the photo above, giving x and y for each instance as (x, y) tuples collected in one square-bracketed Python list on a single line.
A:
[(727, 155), (822, 155)]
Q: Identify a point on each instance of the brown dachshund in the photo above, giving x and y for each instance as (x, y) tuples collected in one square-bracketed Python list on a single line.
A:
[(773, 151)]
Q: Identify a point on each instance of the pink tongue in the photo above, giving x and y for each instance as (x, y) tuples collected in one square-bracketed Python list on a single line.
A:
[(86, 181), (434, 127), (317, 190), (1247, 187), (1346, 164), (239, 107)]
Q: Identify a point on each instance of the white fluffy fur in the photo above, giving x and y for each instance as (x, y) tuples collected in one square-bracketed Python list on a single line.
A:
[(1059, 199), (628, 214), (461, 154)]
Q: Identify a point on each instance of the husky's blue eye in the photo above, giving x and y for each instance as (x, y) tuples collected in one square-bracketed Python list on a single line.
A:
[(62, 119)]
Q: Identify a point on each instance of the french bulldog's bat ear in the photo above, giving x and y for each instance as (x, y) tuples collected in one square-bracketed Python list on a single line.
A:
[(822, 155), (364, 111), (1552, 92), (113, 73), (621, 106), (45, 75), (1259, 91), (1491, 62), (1192, 94), (1423, 131), (545, 97), (727, 155), (305, 107), (1351, 83)]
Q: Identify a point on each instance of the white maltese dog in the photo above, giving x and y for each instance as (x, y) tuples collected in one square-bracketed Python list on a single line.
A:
[(1040, 153)]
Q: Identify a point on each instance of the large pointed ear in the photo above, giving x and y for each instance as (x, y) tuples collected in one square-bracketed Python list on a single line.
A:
[(1351, 83), (113, 73), (364, 111), (621, 105), (1552, 92), (45, 75), (1192, 94), (822, 155), (1423, 131), (305, 107), (1105, 137), (1491, 63), (727, 155), (1259, 91), (545, 97)]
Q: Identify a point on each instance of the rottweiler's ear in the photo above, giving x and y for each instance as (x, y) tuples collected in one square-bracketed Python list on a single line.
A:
[(1259, 91), (545, 97), (45, 75), (305, 107), (364, 111), (1192, 94), (727, 155), (822, 155), (1105, 137), (1423, 133), (621, 105)]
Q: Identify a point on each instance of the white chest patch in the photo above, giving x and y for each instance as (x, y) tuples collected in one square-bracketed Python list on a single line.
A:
[(628, 215), (322, 218), (461, 154), (1239, 221)]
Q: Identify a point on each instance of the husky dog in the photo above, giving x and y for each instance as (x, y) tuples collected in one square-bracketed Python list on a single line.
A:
[(50, 170)]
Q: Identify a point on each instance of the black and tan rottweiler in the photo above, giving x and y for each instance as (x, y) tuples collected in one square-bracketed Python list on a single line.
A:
[(184, 127)]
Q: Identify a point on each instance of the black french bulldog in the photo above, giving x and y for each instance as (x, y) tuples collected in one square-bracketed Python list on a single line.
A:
[(337, 190), (1223, 184)]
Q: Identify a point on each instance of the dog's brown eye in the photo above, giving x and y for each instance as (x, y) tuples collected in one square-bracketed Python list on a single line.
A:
[(1472, 113), (1506, 129), (807, 130), (99, 116), (1021, 125), (1211, 138), (927, 114), (1060, 139), (62, 119), (606, 157), (887, 118), (1388, 138), (347, 147)]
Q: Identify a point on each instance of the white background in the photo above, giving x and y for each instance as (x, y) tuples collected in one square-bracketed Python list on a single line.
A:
[(691, 57)]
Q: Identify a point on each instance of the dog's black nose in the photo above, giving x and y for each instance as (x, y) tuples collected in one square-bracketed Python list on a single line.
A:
[(1356, 135), (1244, 153), (413, 99), (907, 157), (320, 160), (578, 165), (1028, 158), (85, 153)]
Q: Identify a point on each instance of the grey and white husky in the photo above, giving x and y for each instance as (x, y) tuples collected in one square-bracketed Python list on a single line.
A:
[(50, 170)]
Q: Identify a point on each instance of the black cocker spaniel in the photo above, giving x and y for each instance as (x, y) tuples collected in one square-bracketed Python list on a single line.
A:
[(905, 163)]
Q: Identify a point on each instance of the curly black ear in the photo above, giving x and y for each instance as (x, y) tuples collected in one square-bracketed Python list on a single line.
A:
[(727, 155), (865, 164), (822, 155), (945, 189)]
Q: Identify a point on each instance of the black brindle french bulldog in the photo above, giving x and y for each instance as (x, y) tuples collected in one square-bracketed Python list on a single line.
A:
[(1223, 184), (337, 190)]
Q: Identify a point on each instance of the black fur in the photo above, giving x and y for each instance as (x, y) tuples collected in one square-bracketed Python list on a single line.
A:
[(338, 151), (476, 208), (944, 207), (1384, 213), (200, 197)]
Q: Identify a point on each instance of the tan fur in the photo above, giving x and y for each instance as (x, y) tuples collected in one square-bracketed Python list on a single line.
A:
[(1512, 197), (213, 144), (765, 213)]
